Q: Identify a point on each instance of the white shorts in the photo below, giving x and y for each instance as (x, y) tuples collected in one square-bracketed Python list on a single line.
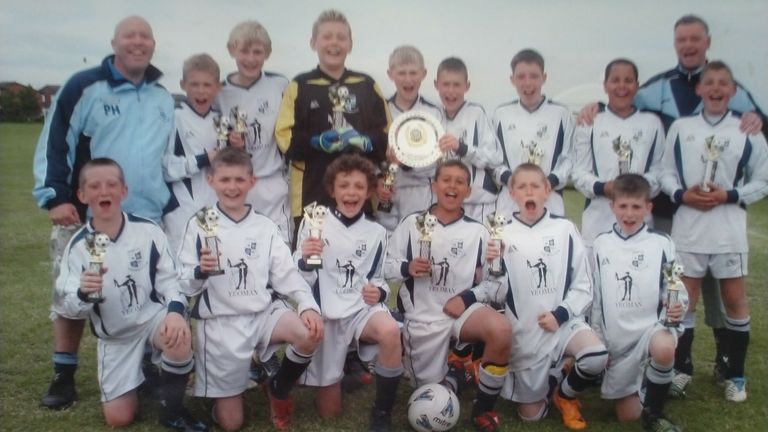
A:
[(119, 360), (270, 198), (722, 266), (531, 385), (60, 236), (224, 347), (506, 206), (426, 346), (624, 373), (327, 366)]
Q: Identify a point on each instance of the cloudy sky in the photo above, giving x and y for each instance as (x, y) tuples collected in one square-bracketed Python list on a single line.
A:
[(45, 41)]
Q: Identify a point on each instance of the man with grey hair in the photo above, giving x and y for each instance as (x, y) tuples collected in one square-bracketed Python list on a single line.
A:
[(117, 110)]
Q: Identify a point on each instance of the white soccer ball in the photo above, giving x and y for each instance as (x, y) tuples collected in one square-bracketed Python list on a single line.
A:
[(433, 407)]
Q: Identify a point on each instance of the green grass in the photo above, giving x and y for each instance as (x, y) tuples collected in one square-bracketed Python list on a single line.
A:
[(26, 338)]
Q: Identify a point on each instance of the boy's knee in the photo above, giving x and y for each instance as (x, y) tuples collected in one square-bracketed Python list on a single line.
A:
[(532, 412), (592, 360), (390, 335), (118, 418), (229, 421), (499, 336)]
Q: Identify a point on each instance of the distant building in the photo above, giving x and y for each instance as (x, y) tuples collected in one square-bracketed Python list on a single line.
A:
[(16, 88), (46, 96)]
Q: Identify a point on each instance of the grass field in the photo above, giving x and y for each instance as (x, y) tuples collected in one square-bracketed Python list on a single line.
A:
[(26, 338)]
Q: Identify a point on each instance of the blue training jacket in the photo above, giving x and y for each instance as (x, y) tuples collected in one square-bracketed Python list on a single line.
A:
[(98, 113)]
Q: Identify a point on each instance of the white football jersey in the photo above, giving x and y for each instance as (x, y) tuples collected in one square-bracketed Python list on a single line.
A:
[(546, 269), (261, 103), (597, 162), (252, 255), (353, 256), (457, 251), (140, 281), (483, 155), (742, 170)]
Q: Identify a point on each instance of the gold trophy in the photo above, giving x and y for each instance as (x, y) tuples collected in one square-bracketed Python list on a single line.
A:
[(208, 220), (241, 120), (96, 244), (712, 150), (495, 225), (623, 149), (426, 223), (314, 215), (390, 170), (221, 124), (672, 276)]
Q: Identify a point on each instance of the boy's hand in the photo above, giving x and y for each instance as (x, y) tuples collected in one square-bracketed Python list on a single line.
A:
[(314, 323), (697, 199), (454, 307), (311, 246), (237, 141), (371, 294), (587, 114), (212, 154), (175, 331), (328, 142), (675, 313), (91, 282), (64, 215), (208, 262), (391, 156), (608, 189), (751, 123), (419, 267), (548, 322), (448, 143), (718, 194), (493, 250), (382, 193)]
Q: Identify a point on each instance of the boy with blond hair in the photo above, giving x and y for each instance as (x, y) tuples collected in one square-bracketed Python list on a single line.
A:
[(192, 146), (256, 95)]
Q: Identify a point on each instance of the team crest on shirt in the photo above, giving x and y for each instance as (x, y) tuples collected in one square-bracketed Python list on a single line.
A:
[(345, 280), (457, 248), (251, 250), (361, 247), (135, 260), (129, 295), (262, 106), (550, 246), (638, 260)]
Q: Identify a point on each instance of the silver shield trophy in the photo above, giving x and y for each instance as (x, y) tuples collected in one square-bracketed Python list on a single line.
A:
[(623, 149), (390, 171), (96, 244), (495, 225), (414, 136), (221, 125), (208, 220), (314, 215), (672, 277), (426, 223), (712, 150)]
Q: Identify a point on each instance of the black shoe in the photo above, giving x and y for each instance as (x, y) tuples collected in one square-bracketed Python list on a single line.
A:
[(657, 423), (381, 421), (61, 393), (356, 374), (261, 372), (184, 422), (150, 388)]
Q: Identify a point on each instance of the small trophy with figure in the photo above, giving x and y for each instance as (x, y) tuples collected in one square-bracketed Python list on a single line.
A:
[(314, 215), (623, 150), (426, 223), (339, 96), (390, 170), (208, 220), (712, 150), (672, 276), (221, 125), (241, 120), (96, 244), (495, 225), (534, 152)]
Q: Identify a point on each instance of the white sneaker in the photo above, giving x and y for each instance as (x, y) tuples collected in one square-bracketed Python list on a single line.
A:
[(736, 389), (679, 384)]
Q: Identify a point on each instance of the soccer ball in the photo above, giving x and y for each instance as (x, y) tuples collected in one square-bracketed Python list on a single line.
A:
[(433, 407)]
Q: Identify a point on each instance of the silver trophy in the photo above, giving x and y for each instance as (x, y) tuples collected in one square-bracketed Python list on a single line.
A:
[(314, 215), (623, 149), (672, 276), (712, 150), (414, 136), (495, 225), (241, 120), (96, 244), (426, 223), (208, 220), (339, 96), (534, 152), (390, 170), (221, 124)]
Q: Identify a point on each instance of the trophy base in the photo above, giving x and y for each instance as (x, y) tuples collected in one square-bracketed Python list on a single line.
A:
[(384, 206), (497, 273), (94, 299), (215, 272), (313, 264)]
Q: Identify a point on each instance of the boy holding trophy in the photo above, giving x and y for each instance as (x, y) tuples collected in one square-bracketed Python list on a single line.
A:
[(133, 279), (636, 311), (438, 256), (714, 170), (234, 310)]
